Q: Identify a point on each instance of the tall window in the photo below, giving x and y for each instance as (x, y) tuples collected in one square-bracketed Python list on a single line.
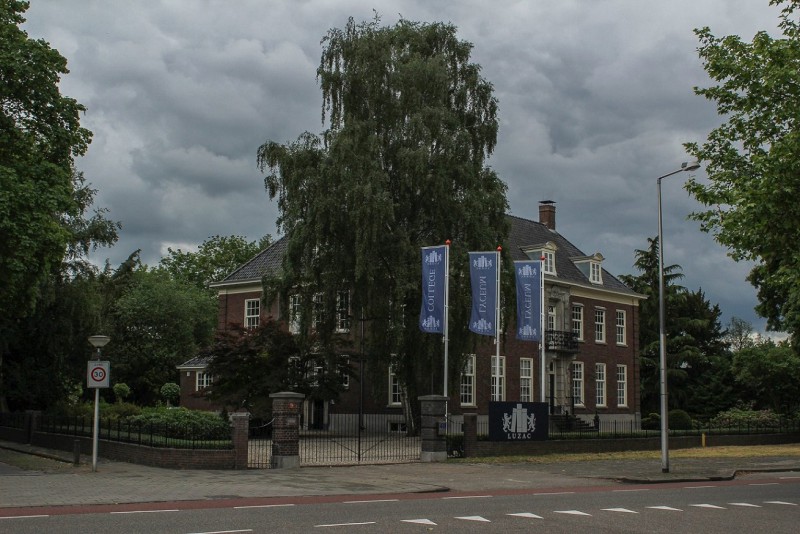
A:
[(498, 378), (620, 327), (577, 322), (600, 384), (343, 311), (202, 380), (468, 382), (252, 312), (525, 379), (600, 326), (344, 370), (549, 262), (622, 385), (551, 318), (595, 273), (577, 383), (294, 314), (395, 391)]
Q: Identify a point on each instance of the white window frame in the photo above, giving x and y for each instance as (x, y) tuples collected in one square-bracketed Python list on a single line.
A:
[(577, 383), (595, 272), (526, 380), (498, 378), (343, 311), (600, 385), (621, 330), (549, 263), (599, 325), (622, 385), (395, 391), (467, 387), (252, 313), (577, 321), (551, 318), (202, 380), (294, 314)]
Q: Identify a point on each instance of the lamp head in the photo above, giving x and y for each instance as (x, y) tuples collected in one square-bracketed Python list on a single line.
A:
[(690, 165), (99, 341)]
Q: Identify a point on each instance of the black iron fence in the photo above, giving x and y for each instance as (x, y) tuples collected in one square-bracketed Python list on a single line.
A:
[(12, 420), (149, 433), (259, 443), (354, 439)]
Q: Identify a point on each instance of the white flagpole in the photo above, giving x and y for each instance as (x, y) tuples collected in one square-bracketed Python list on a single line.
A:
[(446, 308), (497, 310), (541, 329)]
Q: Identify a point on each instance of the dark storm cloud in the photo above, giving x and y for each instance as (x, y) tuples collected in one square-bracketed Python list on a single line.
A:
[(595, 102)]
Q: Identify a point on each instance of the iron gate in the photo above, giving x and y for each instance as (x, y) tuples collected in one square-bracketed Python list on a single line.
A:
[(259, 443)]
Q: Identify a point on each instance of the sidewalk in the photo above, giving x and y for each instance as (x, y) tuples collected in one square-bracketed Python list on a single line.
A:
[(119, 482)]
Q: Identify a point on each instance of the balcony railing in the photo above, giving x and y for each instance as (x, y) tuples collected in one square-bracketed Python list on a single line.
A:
[(560, 340)]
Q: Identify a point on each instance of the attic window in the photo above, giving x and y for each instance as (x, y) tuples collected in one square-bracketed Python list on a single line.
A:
[(549, 265), (595, 273)]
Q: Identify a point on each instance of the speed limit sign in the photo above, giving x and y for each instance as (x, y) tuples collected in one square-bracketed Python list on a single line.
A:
[(98, 374)]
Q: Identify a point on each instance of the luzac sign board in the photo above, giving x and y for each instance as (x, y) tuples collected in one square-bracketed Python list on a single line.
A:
[(518, 421)]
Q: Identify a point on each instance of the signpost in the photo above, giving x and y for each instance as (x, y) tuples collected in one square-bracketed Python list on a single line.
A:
[(98, 375)]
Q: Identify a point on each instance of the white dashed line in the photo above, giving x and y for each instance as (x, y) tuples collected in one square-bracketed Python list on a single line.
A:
[(625, 510), (345, 524), (474, 518), (787, 478), (262, 506), (745, 504), (629, 490), (713, 506), (224, 531), (144, 511), (698, 487), (555, 493), (376, 500), (571, 512), (765, 484), (669, 508), (780, 502), (469, 497), (527, 515), (419, 521), (23, 516)]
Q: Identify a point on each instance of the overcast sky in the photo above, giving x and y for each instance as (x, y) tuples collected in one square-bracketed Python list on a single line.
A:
[(595, 102)]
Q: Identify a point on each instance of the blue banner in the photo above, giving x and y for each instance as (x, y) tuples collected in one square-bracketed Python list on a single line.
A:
[(483, 275), (529, 300), (431, 313)]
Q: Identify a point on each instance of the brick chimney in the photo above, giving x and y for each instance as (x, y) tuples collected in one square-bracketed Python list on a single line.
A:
[(547, 214)]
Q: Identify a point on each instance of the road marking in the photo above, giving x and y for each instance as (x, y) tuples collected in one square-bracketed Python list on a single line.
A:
[(628, 490), (23, 516), (419, 521), (376, 500), (474, 518), (714, 506), (665, 508), (223, 531), (261, 506), (571, 512), (469, 497), (744, 504), (556, 493), (345, 524), (787, 478), (698, 487), (620, 510), (765, 484), (527, 515), (144, 511), (780, 502)]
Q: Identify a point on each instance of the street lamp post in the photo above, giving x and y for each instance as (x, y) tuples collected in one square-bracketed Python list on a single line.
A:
[(662, 336), (97, 342)]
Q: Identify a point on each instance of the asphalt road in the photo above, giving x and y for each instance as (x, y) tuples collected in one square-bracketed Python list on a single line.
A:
[(752, 503)]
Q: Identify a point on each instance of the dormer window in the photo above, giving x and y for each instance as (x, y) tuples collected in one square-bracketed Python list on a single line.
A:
[(549, 264), (591, 267), (546, 253)]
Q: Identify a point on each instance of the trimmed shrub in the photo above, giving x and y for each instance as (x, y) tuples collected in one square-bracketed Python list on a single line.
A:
[(745, 417), (679, 420)]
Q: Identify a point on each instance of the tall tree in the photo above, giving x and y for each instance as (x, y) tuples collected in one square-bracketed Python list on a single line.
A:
[(215, 258), (401, 165), (753, 160), (768, 374), (40, 135)]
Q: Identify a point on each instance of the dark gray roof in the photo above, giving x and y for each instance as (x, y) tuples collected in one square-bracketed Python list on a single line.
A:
[(197, 361), (268, 260), (524, 234)]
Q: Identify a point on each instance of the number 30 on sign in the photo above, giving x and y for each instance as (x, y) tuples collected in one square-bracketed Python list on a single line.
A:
[(98, 374)]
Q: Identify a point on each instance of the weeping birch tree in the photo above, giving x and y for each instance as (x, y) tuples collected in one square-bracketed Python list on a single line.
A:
[(409, 123)]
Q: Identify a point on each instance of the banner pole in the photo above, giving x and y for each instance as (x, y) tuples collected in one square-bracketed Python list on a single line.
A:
[(497, 316), (541, 330), (446, 311)]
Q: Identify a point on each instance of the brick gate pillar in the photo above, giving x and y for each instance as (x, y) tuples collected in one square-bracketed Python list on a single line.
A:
[(286, 429), (434, 442), (241, 429)]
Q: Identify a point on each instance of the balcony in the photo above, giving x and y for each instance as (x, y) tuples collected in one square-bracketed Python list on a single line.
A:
[(561, 341)]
